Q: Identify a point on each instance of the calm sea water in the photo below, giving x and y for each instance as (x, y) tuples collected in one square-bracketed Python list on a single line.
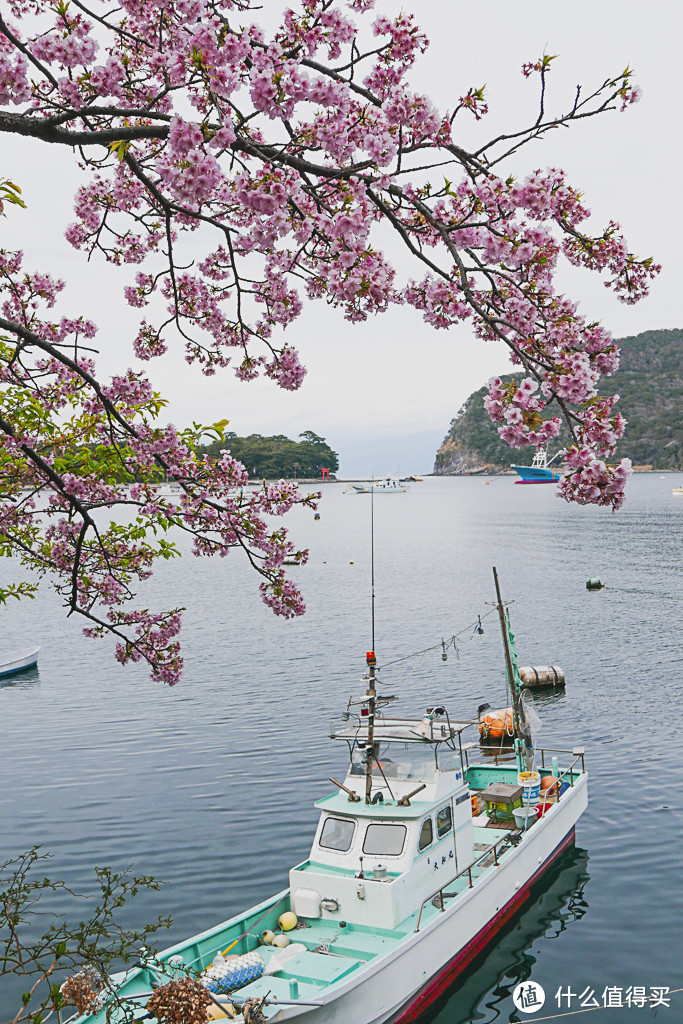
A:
[(210, 785)]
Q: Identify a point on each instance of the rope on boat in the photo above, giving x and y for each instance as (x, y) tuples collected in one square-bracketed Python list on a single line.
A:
[(257, 921), (413, 670)]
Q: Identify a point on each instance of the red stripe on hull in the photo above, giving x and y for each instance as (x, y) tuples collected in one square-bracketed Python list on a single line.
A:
[(448, 974)]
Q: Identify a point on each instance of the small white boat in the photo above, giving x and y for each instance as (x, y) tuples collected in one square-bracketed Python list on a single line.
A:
[(19, 662), (389, 485)]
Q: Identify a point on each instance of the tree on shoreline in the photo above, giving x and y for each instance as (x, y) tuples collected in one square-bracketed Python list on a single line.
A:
[(281, 154)]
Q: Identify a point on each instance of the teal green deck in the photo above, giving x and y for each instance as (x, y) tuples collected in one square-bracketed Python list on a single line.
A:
[(355, 945), (480, 776)]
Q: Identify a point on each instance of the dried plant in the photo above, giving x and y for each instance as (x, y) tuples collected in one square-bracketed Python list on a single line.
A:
[(83, 990), (184, 1001)]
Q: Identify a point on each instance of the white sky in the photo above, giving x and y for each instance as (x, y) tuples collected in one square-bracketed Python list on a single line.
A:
[(395, 375)]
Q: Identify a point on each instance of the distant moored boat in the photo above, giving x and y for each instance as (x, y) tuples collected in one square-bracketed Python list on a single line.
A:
[(390, 485), (538, 472)]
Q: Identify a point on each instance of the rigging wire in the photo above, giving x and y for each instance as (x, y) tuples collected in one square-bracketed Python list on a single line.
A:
[(475, 629), (412, 671)]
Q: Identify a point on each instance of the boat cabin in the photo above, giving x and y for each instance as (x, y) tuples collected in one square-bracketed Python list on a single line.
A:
[(371, 863)]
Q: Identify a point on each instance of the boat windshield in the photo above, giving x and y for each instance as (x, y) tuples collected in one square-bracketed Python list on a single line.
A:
[(406, 761), (449, 760)]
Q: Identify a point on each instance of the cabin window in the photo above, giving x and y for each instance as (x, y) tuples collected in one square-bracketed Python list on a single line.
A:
[(444, 821), (426, 834), (384, 840), (337, 834)]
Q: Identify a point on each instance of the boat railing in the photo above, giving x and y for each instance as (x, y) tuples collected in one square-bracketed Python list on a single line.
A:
[(443, 896), (578, 753), (509, 756)]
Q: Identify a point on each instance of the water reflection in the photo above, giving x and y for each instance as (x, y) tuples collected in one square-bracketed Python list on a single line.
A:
[(29, 677), (545, 700), (485, 994)]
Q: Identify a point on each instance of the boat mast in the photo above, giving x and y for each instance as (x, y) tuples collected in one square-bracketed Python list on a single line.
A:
[(371, 694), (508, 659), (372, 557)]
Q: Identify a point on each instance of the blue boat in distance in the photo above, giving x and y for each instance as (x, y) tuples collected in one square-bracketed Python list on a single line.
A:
[(539, 471)]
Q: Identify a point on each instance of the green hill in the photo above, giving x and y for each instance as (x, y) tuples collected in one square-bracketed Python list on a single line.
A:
[(650, 384), (278, 456)]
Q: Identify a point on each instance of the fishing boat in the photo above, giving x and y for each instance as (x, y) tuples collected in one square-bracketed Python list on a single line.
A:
[(19, 661), (539, 471), (407, 880), (389, 485)]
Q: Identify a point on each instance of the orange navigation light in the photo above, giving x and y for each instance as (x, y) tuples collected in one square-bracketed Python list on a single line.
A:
[(371, 659)]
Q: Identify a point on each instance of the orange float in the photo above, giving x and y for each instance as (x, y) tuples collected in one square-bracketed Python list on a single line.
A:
[(495, 726)]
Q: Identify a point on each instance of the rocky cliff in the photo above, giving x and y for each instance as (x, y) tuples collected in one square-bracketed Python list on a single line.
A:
[(650, 385)]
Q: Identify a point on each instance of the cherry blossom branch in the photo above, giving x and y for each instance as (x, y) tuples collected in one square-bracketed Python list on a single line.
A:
[(291, 150)]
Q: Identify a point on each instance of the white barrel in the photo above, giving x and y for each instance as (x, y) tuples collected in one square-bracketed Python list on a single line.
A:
[(531, 784), (536, 676)]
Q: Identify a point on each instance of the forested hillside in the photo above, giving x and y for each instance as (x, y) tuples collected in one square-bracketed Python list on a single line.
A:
[(278, 456), (650, 384)]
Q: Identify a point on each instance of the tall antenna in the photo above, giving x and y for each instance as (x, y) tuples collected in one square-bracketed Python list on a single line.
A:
[(372, 555), (371, 692)]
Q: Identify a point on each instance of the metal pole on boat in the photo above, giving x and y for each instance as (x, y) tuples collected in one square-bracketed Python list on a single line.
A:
[(508, 659), (371, 694), (372, 556)]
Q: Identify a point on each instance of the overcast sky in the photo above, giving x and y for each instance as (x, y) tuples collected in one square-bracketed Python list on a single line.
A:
[(394, 374)]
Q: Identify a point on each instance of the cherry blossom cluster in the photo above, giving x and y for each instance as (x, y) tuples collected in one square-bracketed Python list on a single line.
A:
[(593, 481), (59, 472), (519, 409), (629, 277)]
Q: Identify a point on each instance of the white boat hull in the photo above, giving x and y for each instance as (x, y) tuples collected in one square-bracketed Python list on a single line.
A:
[(19, 662), (399, 987)]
